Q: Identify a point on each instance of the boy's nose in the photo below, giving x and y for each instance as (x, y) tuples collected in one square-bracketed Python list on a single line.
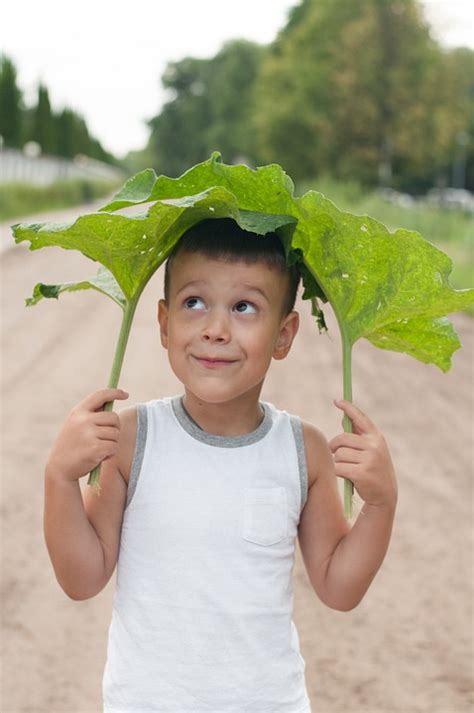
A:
[(216, 328)]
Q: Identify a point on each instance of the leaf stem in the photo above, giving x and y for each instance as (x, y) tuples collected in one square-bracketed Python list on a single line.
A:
[(128, 314), (346, 421), (347, 375)]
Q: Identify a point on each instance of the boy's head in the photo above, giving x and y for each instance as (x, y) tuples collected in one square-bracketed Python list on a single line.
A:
[(228, 310), (223, 239)]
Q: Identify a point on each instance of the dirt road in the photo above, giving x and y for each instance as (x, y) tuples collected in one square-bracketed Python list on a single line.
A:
[(406, 649)]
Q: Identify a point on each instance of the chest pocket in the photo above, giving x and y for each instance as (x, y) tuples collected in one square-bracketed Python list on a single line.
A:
[(265, 519)]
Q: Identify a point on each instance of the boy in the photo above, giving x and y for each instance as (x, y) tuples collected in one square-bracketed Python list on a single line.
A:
[(203, 496)]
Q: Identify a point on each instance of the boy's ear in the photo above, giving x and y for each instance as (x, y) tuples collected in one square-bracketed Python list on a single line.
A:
[(163, 321), (288, 330)]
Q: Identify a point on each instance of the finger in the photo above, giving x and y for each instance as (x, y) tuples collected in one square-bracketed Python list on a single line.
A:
[(106, 433), (97, 399), (346, 470), (106, 418), (348, 455), (359, 419), (347, 440)]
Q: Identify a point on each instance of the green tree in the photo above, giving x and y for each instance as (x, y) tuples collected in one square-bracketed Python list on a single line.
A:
[(459, 85), (83, 144), (96, 151), (232, 74), (10, 104), (363, 94), (73, 138), (65, 134), (178, 133), (212, 100), (43, 122)]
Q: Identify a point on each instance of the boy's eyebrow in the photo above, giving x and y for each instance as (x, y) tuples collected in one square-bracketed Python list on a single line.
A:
[(188, 284), (251, 288)]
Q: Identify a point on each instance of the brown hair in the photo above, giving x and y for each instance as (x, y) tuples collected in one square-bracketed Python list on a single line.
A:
[(223, 239)]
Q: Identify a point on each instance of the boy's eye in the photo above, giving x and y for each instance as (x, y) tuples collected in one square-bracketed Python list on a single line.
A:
[(191, 302), (243, 304)]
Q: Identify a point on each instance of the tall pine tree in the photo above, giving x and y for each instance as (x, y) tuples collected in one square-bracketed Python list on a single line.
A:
[(10, 104), (43, 124)]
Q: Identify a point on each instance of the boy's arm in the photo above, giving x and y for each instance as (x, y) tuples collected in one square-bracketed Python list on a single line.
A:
[(342, 561), (82, 556)]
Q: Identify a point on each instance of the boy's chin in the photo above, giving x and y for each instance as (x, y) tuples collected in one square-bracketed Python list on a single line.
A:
[(216, 395), (209, 396)]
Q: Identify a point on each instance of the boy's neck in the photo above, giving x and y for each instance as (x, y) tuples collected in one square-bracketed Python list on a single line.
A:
[(229, 418)]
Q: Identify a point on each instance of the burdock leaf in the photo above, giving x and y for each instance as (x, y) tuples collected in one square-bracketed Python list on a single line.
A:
[(267, 189), (133, 247), (103, 282), (373, 279), (428, 340), (382, 286)]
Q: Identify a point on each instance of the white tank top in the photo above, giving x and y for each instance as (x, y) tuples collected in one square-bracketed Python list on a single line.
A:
[(202, 612)]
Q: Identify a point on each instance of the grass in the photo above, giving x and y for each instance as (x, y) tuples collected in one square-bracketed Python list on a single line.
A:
[(21, 199), (452, 230)]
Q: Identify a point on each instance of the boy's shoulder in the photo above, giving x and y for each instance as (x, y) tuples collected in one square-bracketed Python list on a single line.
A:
[(316, 449), (127, 440), (128, 434)]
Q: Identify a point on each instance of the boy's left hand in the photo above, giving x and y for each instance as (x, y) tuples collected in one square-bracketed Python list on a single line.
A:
[(363, 457)]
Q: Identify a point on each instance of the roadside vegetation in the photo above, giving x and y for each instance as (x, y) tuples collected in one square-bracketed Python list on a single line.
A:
[(22, 199)]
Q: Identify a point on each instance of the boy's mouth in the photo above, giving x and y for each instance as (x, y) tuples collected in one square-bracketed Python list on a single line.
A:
[(211, 362)]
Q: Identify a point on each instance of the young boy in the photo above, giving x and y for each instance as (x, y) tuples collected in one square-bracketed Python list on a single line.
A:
[(203, 496)]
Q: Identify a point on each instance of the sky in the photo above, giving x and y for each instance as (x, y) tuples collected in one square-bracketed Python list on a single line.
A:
[(105, 60)]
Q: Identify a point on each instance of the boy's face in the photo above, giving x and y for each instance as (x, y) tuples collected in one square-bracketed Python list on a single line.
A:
[(227, 311)]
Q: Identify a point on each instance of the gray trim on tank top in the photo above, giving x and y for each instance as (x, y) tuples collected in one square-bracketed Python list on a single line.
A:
[(303, 471), (142, 428), (194, 430)]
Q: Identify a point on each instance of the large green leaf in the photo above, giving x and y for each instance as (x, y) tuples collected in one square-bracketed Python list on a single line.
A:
[(373, 279), (390, 288), (267, 189), (387, 287), (133, 247), (429, 340)]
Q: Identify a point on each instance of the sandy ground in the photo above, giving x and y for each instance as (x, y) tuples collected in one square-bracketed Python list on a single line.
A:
[(407, 648)]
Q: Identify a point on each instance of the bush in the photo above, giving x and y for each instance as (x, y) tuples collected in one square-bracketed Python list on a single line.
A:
[(18, 200)]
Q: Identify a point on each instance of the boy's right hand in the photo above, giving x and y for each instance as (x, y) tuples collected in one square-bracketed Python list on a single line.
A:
[(88, 436)]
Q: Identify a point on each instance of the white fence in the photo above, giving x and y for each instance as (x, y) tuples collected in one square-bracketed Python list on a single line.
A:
[(16, 167)]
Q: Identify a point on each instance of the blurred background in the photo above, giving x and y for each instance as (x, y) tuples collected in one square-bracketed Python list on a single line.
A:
[(370, 102)]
